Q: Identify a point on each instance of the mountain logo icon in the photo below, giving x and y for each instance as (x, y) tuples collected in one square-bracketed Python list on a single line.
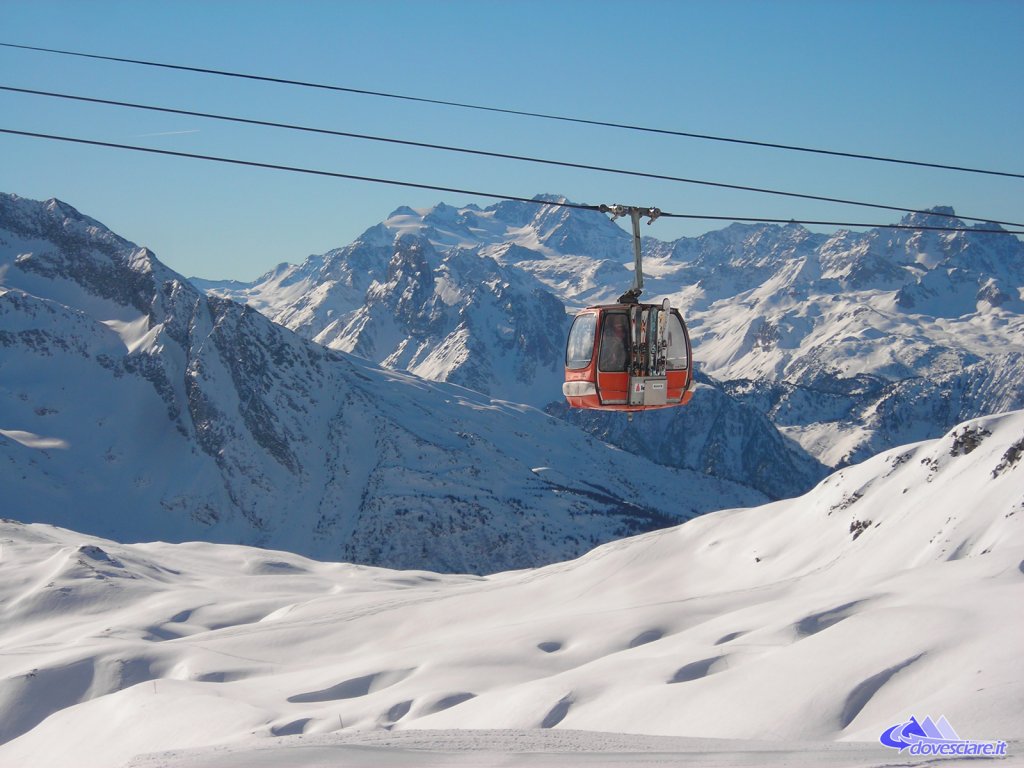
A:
[(931, 737)]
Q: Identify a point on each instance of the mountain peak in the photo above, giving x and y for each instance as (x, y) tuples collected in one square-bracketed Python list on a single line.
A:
[(550, 198), (54, 204), (402, 210), (936, 216)]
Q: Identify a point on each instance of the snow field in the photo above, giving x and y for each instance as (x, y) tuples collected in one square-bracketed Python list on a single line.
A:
[(890, 590)]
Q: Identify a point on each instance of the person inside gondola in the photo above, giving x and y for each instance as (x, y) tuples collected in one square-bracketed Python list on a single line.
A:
[(615, 342)]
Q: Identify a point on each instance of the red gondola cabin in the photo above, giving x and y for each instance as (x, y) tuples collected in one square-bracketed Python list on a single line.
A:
[(628, 357)]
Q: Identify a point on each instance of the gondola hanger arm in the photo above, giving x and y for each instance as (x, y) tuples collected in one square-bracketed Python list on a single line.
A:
[(635, 213)]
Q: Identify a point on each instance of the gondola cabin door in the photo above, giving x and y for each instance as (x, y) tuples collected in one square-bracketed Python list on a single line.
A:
[(628, 357)]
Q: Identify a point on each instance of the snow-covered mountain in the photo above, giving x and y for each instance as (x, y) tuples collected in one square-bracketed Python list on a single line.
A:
[(134, 406), (850, 343), (459, 295), (857, 342), (467, 296), (890, 591)]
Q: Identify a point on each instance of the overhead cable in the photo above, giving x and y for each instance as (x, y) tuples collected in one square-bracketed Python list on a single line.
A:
[(493, 195), (501, 155), (522, 113)]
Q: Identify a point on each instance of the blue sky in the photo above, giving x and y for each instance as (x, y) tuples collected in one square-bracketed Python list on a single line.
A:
[(933, 81)]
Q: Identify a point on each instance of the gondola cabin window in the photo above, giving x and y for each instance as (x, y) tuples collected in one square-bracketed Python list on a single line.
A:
[(676, 357), (580, 349)]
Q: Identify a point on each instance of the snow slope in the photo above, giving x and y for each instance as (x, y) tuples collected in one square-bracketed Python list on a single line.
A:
[(892, 589)]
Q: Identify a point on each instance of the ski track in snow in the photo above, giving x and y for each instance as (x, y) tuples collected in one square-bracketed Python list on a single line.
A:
[(538, 749)]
